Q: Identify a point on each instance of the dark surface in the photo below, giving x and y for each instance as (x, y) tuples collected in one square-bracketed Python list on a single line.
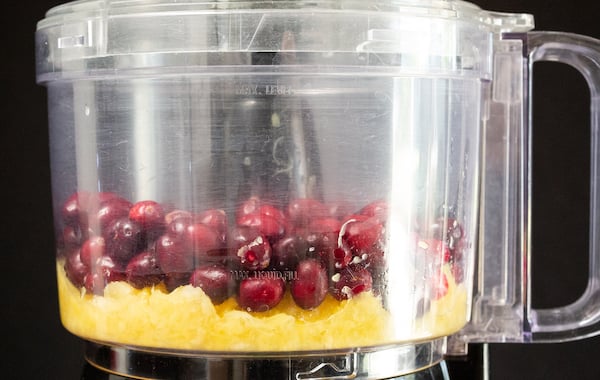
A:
[(34, 345)]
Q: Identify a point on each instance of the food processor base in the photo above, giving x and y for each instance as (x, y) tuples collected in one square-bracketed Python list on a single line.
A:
[(361, 363)]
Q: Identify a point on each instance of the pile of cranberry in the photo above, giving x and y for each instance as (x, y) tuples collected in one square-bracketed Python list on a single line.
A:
[(309, 248)]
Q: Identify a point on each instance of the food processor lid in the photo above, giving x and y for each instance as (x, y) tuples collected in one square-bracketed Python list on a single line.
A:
[(85, 37)]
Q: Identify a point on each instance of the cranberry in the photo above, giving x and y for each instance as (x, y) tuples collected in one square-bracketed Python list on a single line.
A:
[(92, 249), (374, 259), (75, 269), (203, 239), (215, 219), (260, 294), (142, 270), (215, 280), (267, 219), (309, 288), (174, 280), (325, 225), (350, 282), (273, 212), (112, 209), (72, 237), (361, 234), (105, 270), (72, 210), (240, 235), (339, 209), (267, 225), (123, 239), (255, 254), (76, 208), (303, 210), (149, 215), (322, 238), (178, 227), (174, 255), (288, 252), (250, 206), (377, 209), (177, 214), (321, 245), (341, 257)]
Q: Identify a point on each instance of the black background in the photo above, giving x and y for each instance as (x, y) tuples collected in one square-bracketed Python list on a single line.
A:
[(34, 345)]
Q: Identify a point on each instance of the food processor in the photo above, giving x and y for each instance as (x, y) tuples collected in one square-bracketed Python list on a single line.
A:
[(326, 189)]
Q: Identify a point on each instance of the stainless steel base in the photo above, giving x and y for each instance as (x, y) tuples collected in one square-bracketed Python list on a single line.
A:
[(361, 363)]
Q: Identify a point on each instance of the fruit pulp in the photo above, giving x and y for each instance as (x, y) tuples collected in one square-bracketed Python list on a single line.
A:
[(187, 319)]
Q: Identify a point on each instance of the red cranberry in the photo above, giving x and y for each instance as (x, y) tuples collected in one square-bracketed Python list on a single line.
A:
[(92, 249), (75, 269), (72, 237), (260, 294), (350, 282), (123, 239), (377, 209), (303, 210), (76, 208), (250, 206), (240, 235), (322, 238), (267, 225), (325, 225), (149, 215), (309, 287), (374, 259), (174, 280), (339, 209), (215, 219), (178, 227), (341, 257), (321, 245), (215, 280), (273, 212), (288, 252), (111, 210), (267, 219), (203, 239), (362, 234), (174, 255), (177, 214), (255, 254), (72, 210), (94, 283), (142, 270), (105, 270)]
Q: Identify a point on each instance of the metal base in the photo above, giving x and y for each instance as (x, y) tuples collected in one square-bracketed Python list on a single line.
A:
[(361, 363)]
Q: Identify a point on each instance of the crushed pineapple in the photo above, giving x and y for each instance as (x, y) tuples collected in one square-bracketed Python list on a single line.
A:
[(187, 319)]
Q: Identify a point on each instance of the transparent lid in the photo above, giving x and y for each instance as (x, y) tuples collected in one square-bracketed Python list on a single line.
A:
[(88, 37)]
